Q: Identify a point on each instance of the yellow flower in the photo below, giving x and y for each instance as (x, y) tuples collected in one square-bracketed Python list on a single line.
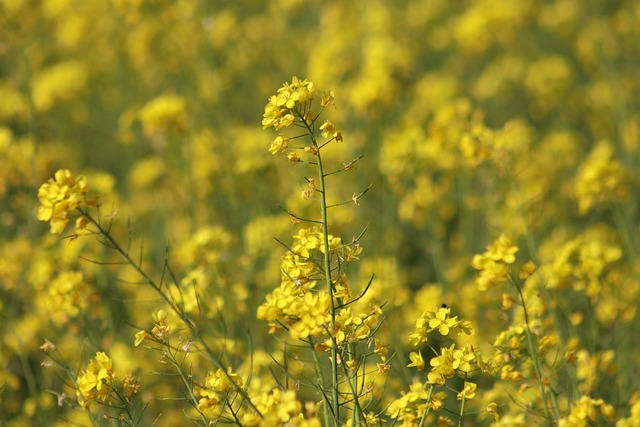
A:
[(130, 385), (140, 336), (59, 197), (502, 250), (468, 391), (326, 98), (278, 111), (293, 158), (463, 359), (48, 346), (601, 180), (313, 314), (494, 262), (279, 408), (416, 360), (279, 144), (328, 129), (159, 316), (162, 114), (443, 364), (527, 269), (492, 408), (441, 322), (95, 382)]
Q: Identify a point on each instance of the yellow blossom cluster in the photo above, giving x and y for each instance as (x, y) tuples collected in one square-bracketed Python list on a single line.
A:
[(510, 349), (581, 264), (281, 408), (293, 103), (494, 262), (634, 418), (588, 411), (96, 381), (410, 407), (214, 389), (281, 109), (453, 360), (352, 326), (163, 114), (59, 199), (68, 295), (296, 303), (463, 361), (601, 180), (439, 320)]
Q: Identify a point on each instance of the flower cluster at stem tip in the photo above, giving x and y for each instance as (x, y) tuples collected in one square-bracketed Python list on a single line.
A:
[(96, 383), (292, 106), (494, 262), (60, 197)]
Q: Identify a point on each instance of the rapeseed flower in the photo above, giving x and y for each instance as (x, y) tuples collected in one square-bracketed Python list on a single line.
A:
[(60, 197), (494, 262), (95, 382)]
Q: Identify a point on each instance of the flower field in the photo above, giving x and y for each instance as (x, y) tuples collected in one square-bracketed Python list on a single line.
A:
[(319, 213)]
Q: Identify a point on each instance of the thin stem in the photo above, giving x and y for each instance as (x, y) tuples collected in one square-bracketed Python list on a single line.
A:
[(185, 380), (327, 269), (462, 404), (426, 408), (321, 382), (327, 274), (534, 357), (353, 386)]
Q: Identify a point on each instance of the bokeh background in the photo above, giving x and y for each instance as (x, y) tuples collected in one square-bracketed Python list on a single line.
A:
[(475, 118)]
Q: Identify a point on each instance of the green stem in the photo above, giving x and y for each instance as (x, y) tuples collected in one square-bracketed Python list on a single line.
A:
[(358, 413), (321, 382), (534, 357), (463, 402), (185, 380), (327, 273), (427, 408)]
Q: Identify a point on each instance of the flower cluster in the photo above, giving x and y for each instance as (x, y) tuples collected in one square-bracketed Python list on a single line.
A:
[(281, 109), (163, 114), (581, 264), (410, 407), (351, 326), (213, 391), (293, 103), (160, 331), (95, 382), (601, 180), (280, 408), (59, 198), (494, 262), (584, 412), (439, 320), (510, 351), (68, 295), (462, 361), (296, 303)]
